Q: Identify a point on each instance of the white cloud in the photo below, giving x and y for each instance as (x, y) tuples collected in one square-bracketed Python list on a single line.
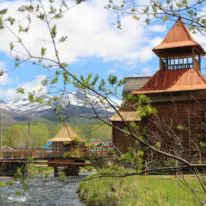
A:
[(35, 86), (157, 28), (143, 72), (200, 38), (91, 32), (4, 79), (32, 86), (146, 71), (8, 94), (112, 71)]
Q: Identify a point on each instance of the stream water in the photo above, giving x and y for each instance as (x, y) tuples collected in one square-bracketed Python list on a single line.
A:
[(41, 191)]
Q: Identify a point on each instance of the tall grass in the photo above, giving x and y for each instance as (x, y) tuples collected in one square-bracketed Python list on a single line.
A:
[(137, 191)]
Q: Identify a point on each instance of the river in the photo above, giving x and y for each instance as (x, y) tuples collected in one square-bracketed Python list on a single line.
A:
[(41, 191)]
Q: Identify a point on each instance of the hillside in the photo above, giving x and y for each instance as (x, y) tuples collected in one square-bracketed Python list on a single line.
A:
[(43, 129)]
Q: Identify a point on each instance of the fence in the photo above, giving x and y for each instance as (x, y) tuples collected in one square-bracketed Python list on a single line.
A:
[(49, 154), (33, 153)]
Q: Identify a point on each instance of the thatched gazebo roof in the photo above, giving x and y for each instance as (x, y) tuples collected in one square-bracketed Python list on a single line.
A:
[(129, 116), (66, 134)]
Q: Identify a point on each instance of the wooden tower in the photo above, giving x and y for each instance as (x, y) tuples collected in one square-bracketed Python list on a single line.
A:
[(177, 91)]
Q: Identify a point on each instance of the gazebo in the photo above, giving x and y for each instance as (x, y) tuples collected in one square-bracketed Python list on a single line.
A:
[(64, 138)]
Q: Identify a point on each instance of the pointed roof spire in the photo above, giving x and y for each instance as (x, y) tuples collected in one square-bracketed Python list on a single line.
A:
[(65, 134), (177, 37)]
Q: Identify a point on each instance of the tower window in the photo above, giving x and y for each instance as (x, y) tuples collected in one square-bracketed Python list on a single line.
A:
[(177, 63)]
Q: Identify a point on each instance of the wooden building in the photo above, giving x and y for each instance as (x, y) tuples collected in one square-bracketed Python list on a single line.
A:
[(177, 91), (64, 138)]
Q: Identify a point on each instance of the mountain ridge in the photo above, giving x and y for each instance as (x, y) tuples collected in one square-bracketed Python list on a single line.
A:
[(73, 104)]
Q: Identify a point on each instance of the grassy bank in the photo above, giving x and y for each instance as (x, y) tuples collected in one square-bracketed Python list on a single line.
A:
[(137, 190)]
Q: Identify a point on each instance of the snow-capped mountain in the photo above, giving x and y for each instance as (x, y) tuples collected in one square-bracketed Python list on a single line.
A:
[(74, 104)]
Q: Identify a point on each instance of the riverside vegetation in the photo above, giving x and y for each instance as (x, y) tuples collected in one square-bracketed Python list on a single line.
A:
[(111, 186)]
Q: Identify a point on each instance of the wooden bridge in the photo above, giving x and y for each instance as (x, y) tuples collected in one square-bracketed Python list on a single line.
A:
[(69, 161)]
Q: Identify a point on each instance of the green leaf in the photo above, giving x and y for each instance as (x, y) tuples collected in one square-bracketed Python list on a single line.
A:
[(44, 82), (54, 80), (58, 16), (39, 100), (101, 86), (43, 51), (63, 39), (112, 79), (20, 90), (165, 18), (11, 20), (1, 23), (11, 45), (135, 17), (64, 65), (119, 25), (96, 78), (3, 11), (41, 16), (55, 98), (87, 80), (31, 97), (54, 31), (66, 77), (79, 1), (185, 2)]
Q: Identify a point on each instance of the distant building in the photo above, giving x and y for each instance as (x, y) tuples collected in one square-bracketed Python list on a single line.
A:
[(177, 91), (64, 138), (101, 142)]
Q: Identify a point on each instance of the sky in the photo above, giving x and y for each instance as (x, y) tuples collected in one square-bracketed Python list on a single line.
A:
[(94, 45)]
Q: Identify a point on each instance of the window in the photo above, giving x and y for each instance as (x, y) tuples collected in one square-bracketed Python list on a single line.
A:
[(177, 63)]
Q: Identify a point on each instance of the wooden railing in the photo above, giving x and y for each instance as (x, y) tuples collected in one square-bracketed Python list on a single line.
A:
[(30, 153), (49, 154)]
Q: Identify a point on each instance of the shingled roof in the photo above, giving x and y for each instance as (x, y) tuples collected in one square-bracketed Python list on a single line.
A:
[(173, 80), (132, 83), (128, 116), (177, 37)]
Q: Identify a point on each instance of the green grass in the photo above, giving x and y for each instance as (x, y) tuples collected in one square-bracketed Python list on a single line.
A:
[(137, 191), (2, 184), (40, 170)]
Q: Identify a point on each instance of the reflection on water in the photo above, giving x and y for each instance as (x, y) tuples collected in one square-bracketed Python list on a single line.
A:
[(42, 191)]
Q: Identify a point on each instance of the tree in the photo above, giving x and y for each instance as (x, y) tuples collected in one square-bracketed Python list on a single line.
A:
[(192, 12), (17, 135)]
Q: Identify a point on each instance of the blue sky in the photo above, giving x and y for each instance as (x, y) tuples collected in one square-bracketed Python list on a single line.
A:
[(94, 45)]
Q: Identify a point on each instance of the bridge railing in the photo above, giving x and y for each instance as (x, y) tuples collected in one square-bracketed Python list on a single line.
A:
[(49, 153), (32, 153), (85, 152)]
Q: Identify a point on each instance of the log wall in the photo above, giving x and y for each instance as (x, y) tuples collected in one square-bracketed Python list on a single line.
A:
[(180, 117), (119, 139), (183, 113)]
